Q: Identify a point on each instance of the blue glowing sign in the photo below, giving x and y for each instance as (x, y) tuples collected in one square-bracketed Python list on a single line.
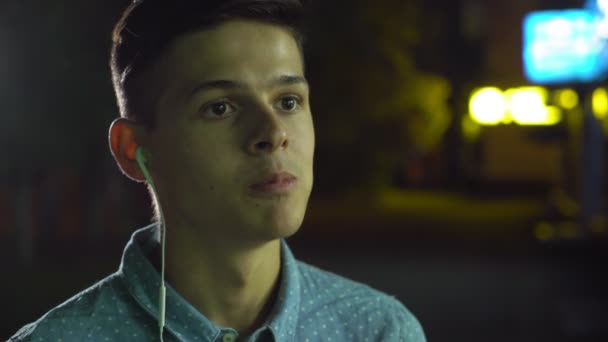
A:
[(592, 5), (565, 46)]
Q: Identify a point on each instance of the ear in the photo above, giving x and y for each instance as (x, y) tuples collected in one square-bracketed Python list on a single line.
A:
[(124, 139)]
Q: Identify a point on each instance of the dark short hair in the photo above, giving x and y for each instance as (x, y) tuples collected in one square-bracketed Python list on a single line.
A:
[(147, 27)]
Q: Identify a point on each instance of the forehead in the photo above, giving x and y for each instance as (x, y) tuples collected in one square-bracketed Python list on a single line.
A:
[(239, 49)]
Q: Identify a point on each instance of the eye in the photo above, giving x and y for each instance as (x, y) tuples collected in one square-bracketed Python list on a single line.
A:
[(289, 103), (218, 110)]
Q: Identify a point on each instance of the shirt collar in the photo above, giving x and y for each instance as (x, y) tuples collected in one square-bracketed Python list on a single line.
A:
[(143, 281), (284, 316)]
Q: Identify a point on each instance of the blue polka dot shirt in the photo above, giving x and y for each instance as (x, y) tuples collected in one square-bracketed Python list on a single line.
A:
[(312, 305)]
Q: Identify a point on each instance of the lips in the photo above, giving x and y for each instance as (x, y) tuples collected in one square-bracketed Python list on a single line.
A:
[(276, 183)]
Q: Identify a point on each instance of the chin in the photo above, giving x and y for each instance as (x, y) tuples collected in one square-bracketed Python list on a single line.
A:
[(278, 221), (283, 230), (280, 226), (288, 231)]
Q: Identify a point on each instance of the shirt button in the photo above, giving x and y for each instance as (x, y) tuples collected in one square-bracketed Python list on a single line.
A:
[(229, 337)]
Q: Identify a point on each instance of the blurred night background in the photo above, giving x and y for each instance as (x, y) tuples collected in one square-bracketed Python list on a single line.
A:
[(487, 231)]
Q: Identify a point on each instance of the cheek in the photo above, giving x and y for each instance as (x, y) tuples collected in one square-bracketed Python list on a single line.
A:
[(211, 170), (207, 186), (304, 147), (305, 136), (188, 162)]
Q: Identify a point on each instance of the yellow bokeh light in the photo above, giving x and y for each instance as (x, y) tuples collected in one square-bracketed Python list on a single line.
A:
[(522, 106), (487, 106), (528, 106), (599, 102), (566, 98)]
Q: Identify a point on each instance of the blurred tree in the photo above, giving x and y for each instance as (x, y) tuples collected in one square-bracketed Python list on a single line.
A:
[(372, 106)]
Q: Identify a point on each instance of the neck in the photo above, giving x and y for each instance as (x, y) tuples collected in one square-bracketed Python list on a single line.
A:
[(232, 284)]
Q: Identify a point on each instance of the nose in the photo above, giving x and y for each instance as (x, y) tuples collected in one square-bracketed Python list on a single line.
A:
[(269, 136)]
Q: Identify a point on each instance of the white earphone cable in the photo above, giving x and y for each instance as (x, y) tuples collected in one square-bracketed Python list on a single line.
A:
[(141, 160)]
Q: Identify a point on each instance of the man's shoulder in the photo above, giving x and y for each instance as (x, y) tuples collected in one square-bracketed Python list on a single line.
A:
[(73, 318), (319, 282), (357, 305)]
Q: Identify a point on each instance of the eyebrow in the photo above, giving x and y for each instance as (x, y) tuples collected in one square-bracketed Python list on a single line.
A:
[(288, 80), (282, 80)]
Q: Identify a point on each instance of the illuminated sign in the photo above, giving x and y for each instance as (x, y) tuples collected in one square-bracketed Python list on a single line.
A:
[(565, 46), (600, 9)]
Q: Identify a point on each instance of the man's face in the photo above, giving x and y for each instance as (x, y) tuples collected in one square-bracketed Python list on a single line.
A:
[(233, 109)]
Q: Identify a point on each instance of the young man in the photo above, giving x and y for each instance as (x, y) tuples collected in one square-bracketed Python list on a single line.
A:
[(214, 95)]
